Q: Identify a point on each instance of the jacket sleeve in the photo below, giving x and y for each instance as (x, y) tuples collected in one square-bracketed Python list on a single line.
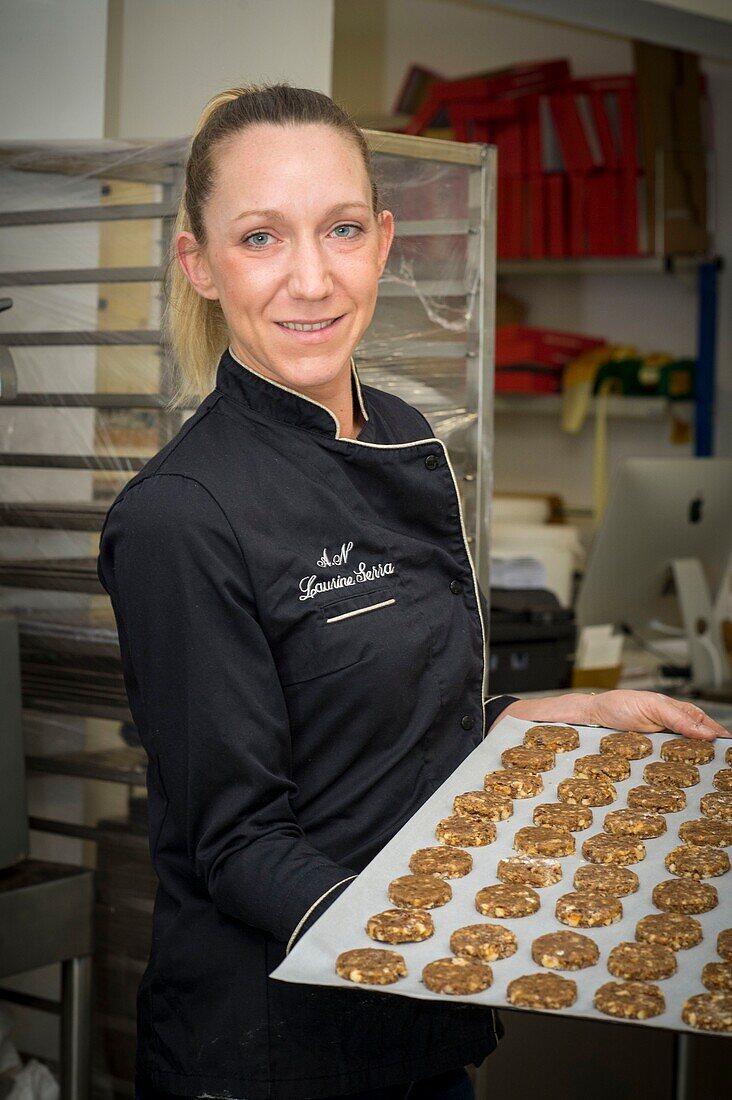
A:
[(206, 698), (494, 704)]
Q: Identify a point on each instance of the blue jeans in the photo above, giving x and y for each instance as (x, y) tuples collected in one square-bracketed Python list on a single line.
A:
[(453, 1084)]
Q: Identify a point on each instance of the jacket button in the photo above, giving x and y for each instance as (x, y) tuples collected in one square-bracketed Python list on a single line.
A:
[(456, 588), (432, 462), (467, 721)]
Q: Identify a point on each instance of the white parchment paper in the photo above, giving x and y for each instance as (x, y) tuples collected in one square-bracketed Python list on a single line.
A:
[(342, 926)]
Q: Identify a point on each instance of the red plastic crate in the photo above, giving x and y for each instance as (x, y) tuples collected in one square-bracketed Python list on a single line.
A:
[(528, 378), (546, 347)]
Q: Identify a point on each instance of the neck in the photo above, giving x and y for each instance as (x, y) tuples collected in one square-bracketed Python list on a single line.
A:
[(337, 396)]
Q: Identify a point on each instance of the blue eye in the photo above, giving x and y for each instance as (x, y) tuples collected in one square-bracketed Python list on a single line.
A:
[(349, 226), (260, 233)]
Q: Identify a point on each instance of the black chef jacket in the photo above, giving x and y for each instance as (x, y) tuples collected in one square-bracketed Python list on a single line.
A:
[(303, 650)]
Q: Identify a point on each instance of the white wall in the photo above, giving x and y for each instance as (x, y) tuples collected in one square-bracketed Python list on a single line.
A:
[(52, 61), (176, 54)]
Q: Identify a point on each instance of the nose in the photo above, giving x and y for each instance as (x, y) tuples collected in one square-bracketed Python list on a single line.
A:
[(310, 275)]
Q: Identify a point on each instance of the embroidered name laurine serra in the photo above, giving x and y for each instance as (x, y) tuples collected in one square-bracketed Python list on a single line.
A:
[(312, 586)]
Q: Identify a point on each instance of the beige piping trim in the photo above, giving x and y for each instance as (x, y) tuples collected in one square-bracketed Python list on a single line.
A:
[(296, 393), (357, 380), (302, 920), (360, 611), (397, 447)]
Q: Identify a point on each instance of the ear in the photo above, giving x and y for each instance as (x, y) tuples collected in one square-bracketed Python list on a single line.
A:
[(385, 223), (195, 267)]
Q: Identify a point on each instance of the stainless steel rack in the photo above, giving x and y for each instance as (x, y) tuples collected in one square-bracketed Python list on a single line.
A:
[(430, 342)]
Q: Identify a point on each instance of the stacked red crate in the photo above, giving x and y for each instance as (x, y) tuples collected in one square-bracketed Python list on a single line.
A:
[(531, 360), (568, 164)]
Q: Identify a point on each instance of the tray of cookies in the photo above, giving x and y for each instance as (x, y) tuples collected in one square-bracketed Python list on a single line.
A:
[(564, 869)]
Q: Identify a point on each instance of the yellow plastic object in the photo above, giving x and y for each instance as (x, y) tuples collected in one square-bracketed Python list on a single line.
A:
[(578, 380)]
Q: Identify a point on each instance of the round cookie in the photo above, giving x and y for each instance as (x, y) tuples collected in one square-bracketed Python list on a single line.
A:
[(445, 862), (563, 816), (507, 900), (564, 951), (556, 738), (728, 756), (419, 892), (457, 976), (541, 991), (709, 1012), (536, 759), (495, 807), (400, 926), (529, 870), (370, 966), (642, 823), (716, 805), (630, 1000), (682, 750), (724, 944), (544, 840), (616, 881), (603, 848), (514, 782), (602, 763), (661, 800), (703, 831), (684, 895), (586, 792), (661, 774), (641, 962), (675, 930), (631, 745), (718, 976), (697, 861), (483, 941), (723, 780), (463, 830), (588, 909)]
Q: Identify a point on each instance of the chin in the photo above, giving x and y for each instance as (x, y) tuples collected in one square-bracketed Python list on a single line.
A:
[(316, 373)]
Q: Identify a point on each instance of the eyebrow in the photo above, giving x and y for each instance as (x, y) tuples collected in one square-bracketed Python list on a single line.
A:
[(277, 215)]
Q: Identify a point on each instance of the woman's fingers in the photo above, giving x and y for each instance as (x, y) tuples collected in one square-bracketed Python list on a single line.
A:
[(685, 718), (650, 711)]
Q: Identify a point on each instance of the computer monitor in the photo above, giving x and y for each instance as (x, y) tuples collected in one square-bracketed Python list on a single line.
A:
[(660, 554)]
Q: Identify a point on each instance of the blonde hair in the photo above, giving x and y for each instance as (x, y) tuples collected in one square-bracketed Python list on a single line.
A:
[(195, 327)]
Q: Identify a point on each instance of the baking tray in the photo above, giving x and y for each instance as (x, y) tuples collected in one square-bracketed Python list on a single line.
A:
[(342, 927)]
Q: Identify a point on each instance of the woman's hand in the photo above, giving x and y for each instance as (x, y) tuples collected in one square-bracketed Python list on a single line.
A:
[(649, 712), (643, 711)]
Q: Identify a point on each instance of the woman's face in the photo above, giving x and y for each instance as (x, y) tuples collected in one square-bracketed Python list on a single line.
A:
[(291, 237)]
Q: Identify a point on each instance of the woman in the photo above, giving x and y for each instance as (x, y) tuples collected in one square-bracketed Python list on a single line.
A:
[(300, 626)]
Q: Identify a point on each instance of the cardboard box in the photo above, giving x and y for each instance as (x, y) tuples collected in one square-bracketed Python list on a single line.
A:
[(673, 141)]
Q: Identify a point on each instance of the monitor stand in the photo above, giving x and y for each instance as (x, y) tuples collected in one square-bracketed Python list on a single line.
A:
[(710, 668)]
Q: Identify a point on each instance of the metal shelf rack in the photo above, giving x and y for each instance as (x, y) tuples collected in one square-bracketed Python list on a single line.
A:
[(439, 288)]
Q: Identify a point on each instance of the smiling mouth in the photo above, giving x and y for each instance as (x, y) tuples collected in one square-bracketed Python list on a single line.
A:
[(308, 326)]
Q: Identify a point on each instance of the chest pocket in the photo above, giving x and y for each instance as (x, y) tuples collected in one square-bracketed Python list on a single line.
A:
[(340, 632)]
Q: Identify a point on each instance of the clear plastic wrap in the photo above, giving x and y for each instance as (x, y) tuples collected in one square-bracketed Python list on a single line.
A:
[(84, 376), (84, 380)]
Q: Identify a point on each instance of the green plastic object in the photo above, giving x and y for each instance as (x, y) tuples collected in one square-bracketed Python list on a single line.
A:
[(640, 378)]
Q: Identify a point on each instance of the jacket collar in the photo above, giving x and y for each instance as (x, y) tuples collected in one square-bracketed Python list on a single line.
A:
[(278, 402)]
